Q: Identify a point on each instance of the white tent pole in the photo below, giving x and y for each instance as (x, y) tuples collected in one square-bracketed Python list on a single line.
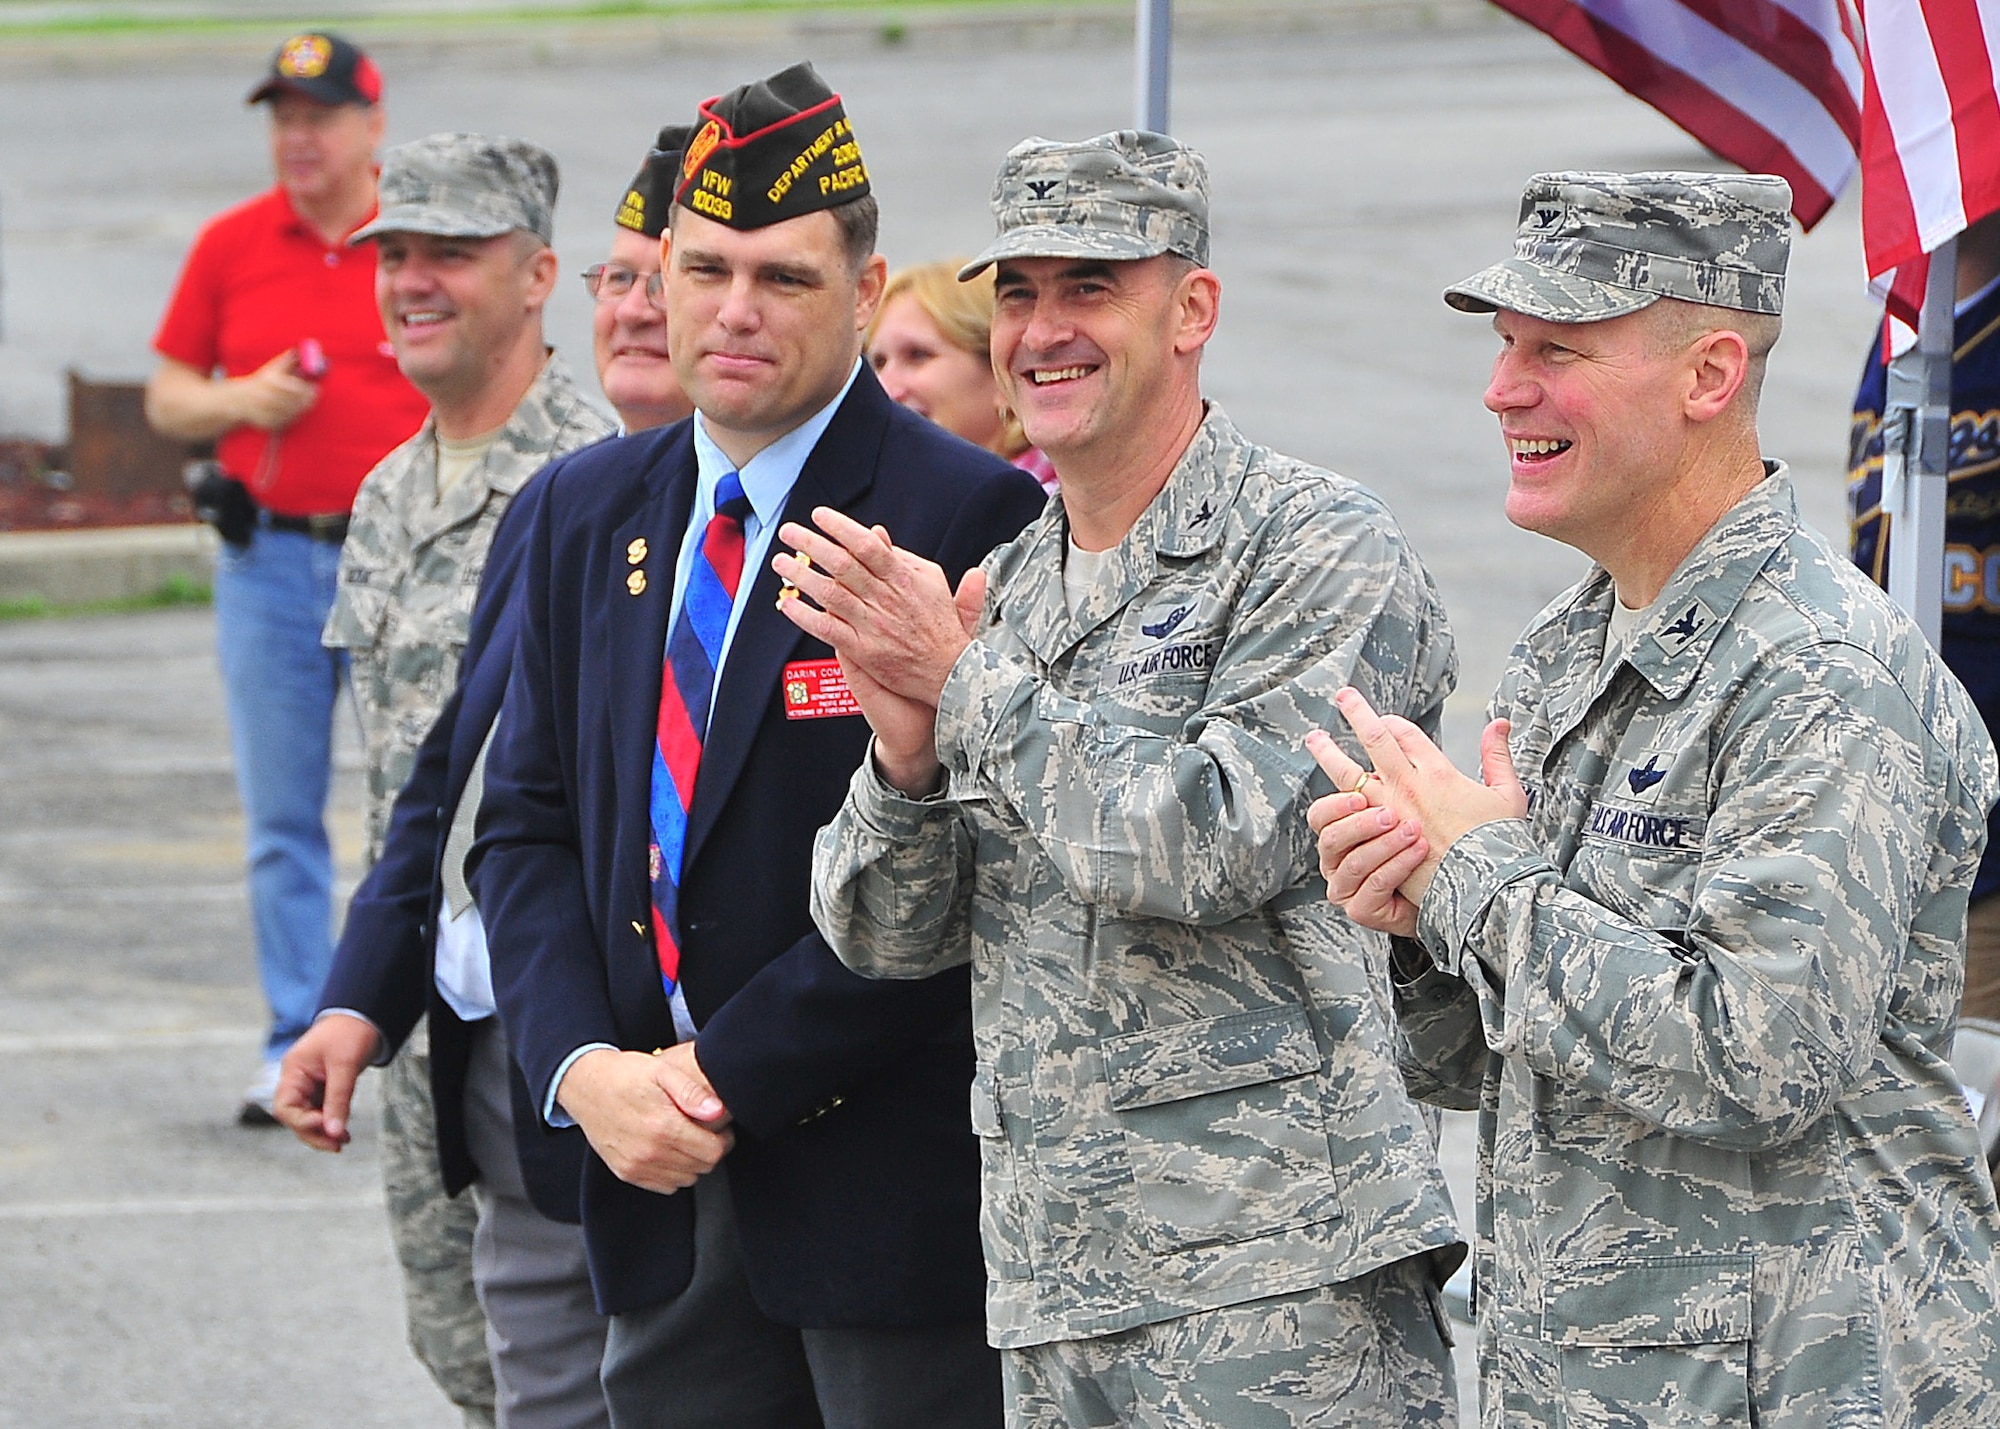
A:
[(1916, 451), (1155, 59)]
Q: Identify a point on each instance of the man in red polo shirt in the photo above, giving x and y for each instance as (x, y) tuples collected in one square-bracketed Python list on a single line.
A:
[(272, 346)]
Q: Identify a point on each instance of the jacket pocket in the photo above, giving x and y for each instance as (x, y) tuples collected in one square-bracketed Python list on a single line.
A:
[(1662, 1341), (1223, 1127), (1003, 1231)]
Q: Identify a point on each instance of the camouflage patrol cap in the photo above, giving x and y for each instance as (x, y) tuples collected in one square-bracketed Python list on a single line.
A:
[(465, 186), (1594, 246), (650, 196), (1125, 195)]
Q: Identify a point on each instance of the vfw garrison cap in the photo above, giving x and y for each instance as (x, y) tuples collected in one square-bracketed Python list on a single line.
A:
[(651, 193), (324, 68), (465, 186), (1594, 246), (770, 151), (1125, 195)]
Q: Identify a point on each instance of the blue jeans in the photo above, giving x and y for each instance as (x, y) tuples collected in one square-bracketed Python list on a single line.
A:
[(271, 600)]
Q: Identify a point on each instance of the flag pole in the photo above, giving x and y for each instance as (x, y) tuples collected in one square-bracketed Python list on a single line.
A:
[(1916, 451), (1155, 44)]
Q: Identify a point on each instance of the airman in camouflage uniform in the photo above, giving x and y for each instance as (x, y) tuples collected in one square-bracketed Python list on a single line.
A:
[(1209, 1198), (408, 577), (1694, 949)]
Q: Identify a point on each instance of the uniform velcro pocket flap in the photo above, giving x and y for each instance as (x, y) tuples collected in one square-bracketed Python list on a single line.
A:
[(1217, 1054), (356, 620), (1657, 1300), (985, 1104)]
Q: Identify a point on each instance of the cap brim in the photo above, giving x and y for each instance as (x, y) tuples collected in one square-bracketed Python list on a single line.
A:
[(1516, 285), (319, 91), (1063, 241), (440, 223)]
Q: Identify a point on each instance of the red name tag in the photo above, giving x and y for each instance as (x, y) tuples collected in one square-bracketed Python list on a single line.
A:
[(815, 689)]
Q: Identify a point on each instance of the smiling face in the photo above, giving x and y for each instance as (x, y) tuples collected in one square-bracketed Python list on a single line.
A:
[(764, 324), (1593, 417), (629, 339), (922, 369), (1089, 352), (460, 310), (320, 151)]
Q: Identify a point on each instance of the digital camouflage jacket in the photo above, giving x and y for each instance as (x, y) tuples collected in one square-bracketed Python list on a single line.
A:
[(410, 570), (1726, 1173), (1186, 1092)]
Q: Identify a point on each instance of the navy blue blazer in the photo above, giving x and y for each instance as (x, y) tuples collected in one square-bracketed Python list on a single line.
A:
[(384, 966), (854, 1175)]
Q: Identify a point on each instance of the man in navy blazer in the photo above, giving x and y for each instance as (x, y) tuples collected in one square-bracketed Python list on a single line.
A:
[(781, 1201)]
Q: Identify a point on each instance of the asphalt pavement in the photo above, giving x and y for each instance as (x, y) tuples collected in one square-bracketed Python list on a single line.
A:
[(164, 1268)]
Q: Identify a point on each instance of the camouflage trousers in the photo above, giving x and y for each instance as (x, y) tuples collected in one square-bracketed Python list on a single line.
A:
[(1369, 1353), (432, 1233), (1982, 971)]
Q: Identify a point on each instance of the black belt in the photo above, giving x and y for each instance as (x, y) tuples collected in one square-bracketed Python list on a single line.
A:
[(330, 527)]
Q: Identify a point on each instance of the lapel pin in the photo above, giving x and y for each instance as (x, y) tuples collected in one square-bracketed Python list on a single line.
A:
[(636, 552), (786, 590), (635, 583)]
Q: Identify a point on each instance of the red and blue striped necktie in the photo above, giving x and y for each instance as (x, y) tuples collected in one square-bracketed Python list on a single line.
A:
[(687, 684)]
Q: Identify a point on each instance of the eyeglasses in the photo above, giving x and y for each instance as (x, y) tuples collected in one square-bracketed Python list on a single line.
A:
[(608, 283)]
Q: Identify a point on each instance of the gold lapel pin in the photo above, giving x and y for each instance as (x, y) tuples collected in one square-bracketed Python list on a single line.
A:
[(636, 552), (786, 590), (636, 583)]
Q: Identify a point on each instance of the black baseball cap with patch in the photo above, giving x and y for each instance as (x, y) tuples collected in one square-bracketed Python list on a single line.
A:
[(770, 151), (323, 68), (651, 193)]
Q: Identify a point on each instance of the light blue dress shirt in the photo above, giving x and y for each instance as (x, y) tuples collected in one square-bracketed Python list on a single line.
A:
[(768, 479)]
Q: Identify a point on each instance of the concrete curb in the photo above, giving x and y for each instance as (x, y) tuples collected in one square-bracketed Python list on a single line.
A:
[(117, 563)]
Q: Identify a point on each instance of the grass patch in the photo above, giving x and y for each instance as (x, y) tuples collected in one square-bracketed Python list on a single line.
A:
[(177, 590), (134, 17)]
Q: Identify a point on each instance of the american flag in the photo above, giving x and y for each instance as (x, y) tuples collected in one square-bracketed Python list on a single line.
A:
[(1774, 86), (1788, 87), (1930, 140)]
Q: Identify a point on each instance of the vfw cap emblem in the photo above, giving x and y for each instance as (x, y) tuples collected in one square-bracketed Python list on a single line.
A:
[(305, 56), (703, 145)]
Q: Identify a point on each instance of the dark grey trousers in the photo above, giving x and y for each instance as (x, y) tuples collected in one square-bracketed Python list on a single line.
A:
[(710, 1359), (543, 1331)]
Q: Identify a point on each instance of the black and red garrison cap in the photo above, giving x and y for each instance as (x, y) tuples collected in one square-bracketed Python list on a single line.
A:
[(772, 150)]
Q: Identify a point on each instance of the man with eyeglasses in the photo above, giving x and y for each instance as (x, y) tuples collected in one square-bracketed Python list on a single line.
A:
[(628, 332), (464, 270)]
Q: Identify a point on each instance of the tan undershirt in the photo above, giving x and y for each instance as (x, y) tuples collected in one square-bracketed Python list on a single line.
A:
[(1081, 570), (1618, 635), (456, 458)]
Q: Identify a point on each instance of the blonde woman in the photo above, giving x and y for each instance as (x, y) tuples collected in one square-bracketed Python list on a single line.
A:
[(929, 345)]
